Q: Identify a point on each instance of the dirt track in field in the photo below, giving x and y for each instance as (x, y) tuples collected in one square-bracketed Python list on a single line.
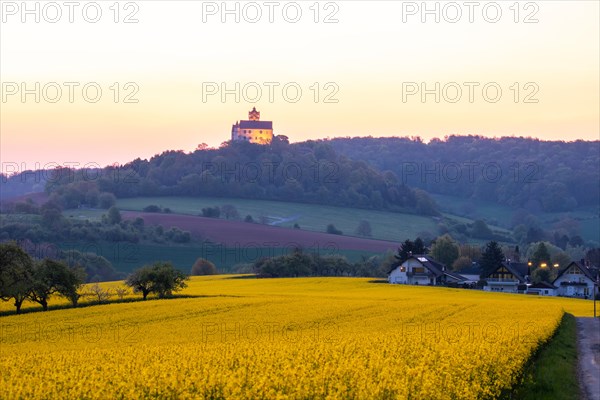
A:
[(238, 232)]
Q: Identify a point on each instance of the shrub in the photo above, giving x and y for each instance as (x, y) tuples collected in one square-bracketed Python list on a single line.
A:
[(333, 230), (152, 208), (211, 212), (203, 267)]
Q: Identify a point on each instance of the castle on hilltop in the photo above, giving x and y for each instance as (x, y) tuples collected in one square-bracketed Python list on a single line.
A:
[(254, 130)]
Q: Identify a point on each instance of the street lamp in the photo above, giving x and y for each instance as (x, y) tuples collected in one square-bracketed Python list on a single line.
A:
[(543, 265), (555, 265)]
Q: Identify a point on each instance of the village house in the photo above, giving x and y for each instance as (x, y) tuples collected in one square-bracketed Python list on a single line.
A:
[(576, 280), (508, 277), (471, 273), (253, 130), (542, 289), (423, 270)]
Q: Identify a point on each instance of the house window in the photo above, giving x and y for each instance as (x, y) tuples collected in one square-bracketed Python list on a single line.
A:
[(402, 269), (503, 276), (418, 270)]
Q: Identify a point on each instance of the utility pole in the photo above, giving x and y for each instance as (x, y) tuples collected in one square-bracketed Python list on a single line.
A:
[(595, 290)]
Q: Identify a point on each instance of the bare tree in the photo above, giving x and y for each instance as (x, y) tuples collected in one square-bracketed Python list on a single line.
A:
[(121, 292), (99, 293)]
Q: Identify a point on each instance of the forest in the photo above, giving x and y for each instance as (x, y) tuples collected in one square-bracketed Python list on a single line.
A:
[(520, 172), (308, 172), (392, 173)]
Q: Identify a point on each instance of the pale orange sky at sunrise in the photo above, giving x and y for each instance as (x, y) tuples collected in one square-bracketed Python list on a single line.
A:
[(360, 73)]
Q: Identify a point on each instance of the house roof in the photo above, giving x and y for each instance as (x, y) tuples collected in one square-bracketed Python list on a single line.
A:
[(586, 271), (542, 285), (519, 270), (256, 125), (427, 262), (456, 276), (438, 269), (473, 269)]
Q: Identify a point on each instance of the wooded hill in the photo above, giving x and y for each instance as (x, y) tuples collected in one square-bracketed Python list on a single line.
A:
[(518, 172), (309, 172)]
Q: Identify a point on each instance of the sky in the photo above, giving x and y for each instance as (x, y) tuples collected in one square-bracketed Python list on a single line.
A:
[(106, 82)]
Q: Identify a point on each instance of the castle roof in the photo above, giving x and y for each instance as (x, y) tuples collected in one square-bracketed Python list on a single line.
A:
[(256, 125)]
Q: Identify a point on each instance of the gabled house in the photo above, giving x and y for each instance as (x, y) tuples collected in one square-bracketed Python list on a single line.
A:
[(576, 280), (423, 270), (509, 277)]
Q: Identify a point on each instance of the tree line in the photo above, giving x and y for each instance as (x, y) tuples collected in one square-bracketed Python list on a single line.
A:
[(300, 263), (25, 278), (527, 173), (47, 222), (308, 172)]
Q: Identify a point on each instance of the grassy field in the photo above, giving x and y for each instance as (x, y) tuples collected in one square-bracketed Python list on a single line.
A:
[(126, 257), (552, 373), (496, 214), (385, 225), (282, 338)]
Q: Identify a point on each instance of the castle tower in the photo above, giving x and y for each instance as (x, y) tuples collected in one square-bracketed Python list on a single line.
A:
[(254, 115)]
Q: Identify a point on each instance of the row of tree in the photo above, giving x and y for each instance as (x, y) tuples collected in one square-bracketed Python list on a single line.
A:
[(23, 278), (300, 263)]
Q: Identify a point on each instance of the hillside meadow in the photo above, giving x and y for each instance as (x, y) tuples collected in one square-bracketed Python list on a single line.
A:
[(588, 217), (313, 217), (281, 338)]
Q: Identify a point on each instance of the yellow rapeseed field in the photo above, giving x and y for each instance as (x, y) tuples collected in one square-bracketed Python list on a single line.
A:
[(303, 338)]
